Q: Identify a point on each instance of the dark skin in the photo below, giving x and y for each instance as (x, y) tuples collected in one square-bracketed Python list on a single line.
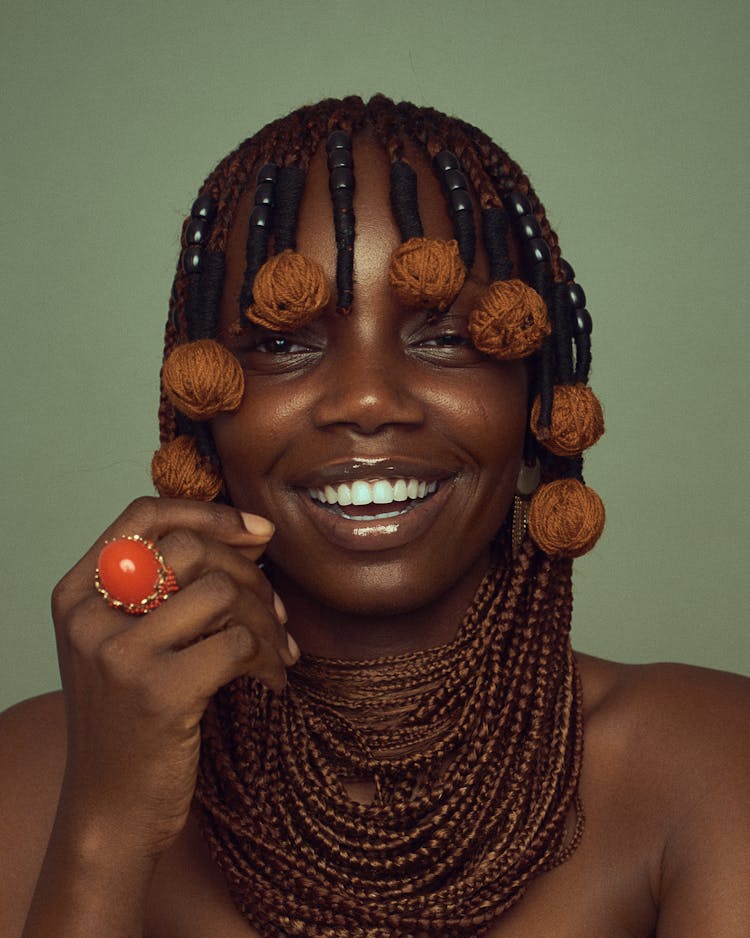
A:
[(95, 787)]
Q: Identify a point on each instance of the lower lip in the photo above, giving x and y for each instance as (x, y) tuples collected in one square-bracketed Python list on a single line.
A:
[(378, 533)]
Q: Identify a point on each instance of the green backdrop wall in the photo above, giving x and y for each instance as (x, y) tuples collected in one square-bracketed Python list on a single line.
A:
[(631, 117)]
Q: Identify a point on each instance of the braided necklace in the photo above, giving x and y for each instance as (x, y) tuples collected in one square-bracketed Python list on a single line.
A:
[(472, 750)]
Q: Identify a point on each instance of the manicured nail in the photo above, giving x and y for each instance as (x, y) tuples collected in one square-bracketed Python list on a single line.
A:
[(294, 649), (255, 524), (279, 607)]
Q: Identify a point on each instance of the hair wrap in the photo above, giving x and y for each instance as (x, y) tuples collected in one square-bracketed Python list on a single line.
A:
[(202, 379), (577, 420), (509, 321), (427, 273), (566, 518), (179, 471), (290, 290)]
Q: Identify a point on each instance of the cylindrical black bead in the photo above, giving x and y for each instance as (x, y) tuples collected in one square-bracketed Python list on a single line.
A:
[(517, 203), (538, 250), (340, 157), (445, 161), (267, 173), (264, 193), (260, 217), (567, 269), (528, 227), (454, 179), (191, 258), (460, 201), (577, 296), (197, 231), (341, 178), (203, 207), (582, 324), (339, 138)]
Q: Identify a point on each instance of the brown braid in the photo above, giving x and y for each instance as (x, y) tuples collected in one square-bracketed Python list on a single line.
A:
[(473, 749)]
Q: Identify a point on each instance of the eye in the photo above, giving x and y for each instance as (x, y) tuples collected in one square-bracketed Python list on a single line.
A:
[(280, 345), (447, 340)]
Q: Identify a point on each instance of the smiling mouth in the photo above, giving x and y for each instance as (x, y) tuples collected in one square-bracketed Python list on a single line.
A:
[(395, 497)]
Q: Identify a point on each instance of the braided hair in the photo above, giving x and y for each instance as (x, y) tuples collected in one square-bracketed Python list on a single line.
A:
[(474, 748)]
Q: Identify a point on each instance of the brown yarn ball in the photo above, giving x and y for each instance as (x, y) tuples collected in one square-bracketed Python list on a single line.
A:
[(289, 291), (577, 420), (566, 518), (202, 379), (427, 273), (509, 321), (179, 471)]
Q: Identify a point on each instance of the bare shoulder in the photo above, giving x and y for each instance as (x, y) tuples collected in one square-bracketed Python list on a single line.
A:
[(32, 761), (670, 741)]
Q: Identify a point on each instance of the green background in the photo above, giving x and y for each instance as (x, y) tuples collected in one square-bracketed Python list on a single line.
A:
[(630, 117)]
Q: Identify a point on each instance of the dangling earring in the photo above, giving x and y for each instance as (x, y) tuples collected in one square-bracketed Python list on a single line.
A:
[(529, 476)]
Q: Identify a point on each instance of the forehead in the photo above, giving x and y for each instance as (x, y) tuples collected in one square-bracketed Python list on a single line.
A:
[(376, 232)]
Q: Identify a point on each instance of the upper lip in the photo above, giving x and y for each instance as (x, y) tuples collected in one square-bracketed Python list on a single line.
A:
[(370, 468)]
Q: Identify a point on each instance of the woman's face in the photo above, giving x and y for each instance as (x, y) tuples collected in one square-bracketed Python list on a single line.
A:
[(388, 407)]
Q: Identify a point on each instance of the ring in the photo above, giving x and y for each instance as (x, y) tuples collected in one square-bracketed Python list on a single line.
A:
[(133, 576)]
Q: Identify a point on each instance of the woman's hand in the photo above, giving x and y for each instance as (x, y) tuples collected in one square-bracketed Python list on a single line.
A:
[(136, 687)]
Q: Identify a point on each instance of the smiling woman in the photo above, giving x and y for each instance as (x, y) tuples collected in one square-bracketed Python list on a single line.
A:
[(359, 713)]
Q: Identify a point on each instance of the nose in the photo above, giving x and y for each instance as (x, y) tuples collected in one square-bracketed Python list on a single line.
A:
[(367, 390)]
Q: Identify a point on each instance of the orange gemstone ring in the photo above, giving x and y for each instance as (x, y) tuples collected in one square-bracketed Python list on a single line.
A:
[(133, 576)]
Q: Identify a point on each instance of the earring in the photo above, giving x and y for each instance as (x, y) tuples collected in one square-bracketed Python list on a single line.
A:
[(529, 476)]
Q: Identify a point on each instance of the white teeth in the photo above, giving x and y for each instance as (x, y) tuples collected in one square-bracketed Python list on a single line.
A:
[(379, 492), (361, 493)]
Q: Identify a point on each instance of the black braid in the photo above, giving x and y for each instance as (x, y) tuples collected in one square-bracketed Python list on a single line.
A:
[(341, 185), (495, 237), (289, 190), (404, 200), (258, 230)]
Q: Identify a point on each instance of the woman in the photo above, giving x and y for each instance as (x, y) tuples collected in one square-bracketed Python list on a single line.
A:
[(369, 304)]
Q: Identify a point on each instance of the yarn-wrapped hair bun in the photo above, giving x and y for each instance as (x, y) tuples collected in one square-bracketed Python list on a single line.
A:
[(566, 518), (577, 420), (179, 471), (509, 321), (202, 379), (289, 291), (427, 273)]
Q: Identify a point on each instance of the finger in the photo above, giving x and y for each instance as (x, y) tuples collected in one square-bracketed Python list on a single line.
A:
[(152, 518), (209, 604), (228, 654)]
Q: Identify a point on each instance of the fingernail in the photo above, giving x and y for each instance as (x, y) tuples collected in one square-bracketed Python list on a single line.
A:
[(294, 649), (255, 524), (279, 607)]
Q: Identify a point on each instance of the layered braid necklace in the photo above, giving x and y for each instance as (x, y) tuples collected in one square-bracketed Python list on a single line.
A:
[(473, 750)]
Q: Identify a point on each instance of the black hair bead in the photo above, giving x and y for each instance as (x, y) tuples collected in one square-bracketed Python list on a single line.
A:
[(460, 201), (197, 231), (191, 259), (260, 217), (341, 178), (446, 161), (538, 250), (567, 269), (204, 207), (340, 157), (517, 204), (264, 194), (338, 139), (582, 324), (267, 173), (577, 296), (528, 227), (454, 179)]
